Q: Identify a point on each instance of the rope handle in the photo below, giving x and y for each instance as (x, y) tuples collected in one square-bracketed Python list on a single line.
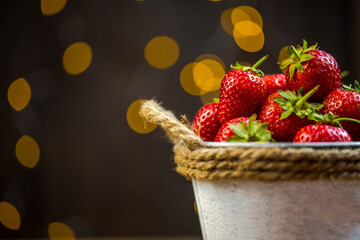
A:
[(151, 111)]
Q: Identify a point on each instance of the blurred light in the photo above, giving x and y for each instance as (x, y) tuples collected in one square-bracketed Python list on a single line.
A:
[(27, 151), (245, 64), (195, 208), (208, 74), (246, 13), (210, 56), (77, 58), (249, 36), (9, 216), (19, 94), (208, 97), (135, 121), (51, 7), (282, 56), (161, 52), (60, 231), (187, 80), (226, 22)]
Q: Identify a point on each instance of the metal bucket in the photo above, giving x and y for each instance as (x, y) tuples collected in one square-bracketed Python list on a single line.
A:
[(289, 210)]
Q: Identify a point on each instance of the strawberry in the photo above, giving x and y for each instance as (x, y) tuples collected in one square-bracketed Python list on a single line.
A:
[(310, 67), (243, 129), (345, 103), (287, 112), (242, 91), (206, 123), (321, 133), (275, 82)]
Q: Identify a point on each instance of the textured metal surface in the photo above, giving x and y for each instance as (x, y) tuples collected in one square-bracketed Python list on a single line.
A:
[(274, 211)]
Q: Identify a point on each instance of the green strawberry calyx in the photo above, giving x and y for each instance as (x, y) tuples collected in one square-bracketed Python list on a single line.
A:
[(253, 69), (296, 57), (350, 88), (296, 103), (254, 131), (329, 118)]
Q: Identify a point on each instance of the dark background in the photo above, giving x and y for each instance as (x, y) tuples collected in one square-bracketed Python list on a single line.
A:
[(95, 173)]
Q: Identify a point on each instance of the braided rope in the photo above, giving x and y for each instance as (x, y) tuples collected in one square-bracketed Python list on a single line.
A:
[(196, 161)]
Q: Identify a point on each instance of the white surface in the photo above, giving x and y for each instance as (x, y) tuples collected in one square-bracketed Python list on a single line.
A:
[(279, 211)]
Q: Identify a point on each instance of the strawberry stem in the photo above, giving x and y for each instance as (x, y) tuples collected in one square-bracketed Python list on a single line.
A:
[(295, 52), (306, 97), (337, 120), (258, 63)]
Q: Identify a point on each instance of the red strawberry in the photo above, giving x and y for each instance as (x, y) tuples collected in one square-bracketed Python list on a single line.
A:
[(243, 129), (308, 68), (275, 82), (206, 122), (242, 91), (322, 133), (345, 104), (286, 113)]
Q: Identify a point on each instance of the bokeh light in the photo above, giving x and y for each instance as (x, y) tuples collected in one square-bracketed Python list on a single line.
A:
[(60, 231), (208, 97), (161, 52), (208, 74), (77, 58), (249, 36), (135, 121), (246, 13), (51, 7), (210, 56), (27, 151), (9, 216), (19, 94), (282, 56), (226, 21), (187, 80)]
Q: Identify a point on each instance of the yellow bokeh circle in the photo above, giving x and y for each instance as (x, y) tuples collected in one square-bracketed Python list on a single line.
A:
[(19, 94), (9, 216), (51, 7), (161, 52), (60, 231), (282, 56), (27, 151), (225, 21), (246, 13), (208, 74), (187, 80), (249, 36), (77, 58), (135, 121), (210, 56)]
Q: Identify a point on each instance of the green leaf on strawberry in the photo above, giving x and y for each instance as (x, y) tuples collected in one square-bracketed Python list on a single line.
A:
[(254, 131), (296, 103), (296, 57), (253, 68), (329, 118), (350, 88)]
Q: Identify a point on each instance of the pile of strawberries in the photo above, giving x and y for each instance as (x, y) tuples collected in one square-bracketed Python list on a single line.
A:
[(307, 104)]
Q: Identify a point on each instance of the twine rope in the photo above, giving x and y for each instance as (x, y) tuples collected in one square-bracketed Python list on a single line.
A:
[(196, 161)]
